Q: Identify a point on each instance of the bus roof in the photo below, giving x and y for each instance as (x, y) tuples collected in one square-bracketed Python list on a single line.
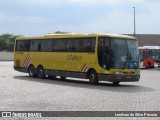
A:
[(73, 35)]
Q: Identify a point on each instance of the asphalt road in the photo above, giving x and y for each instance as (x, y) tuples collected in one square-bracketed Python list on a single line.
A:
[(19, 92)]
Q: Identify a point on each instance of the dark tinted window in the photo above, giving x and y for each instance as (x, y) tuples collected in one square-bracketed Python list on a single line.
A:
[(103, 52), (70, 45), (22, 45), (87, 44), (35, 45), (59, 45), (73, 45), (47, 45)]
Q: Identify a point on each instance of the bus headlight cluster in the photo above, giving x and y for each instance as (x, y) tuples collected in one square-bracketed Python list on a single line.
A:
[(116, 72)]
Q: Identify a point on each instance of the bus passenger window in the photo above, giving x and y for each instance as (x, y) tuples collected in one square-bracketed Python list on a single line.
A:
[(88, 45), (60, 45), (70, 45), (22, 45), (46, 45), (35, 45)]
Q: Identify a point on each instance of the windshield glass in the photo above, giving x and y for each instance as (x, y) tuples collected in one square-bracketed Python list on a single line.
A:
[(141, 54), (126, 53), (157, 56)]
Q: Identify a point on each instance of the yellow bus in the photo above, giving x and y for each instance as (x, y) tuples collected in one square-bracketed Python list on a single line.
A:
[(97, 57)]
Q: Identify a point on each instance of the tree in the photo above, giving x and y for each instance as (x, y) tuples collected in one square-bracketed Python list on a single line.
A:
[(60, 32), (3, 45), (7, 42)]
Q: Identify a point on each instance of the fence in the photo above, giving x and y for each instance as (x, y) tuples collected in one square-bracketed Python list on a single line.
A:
[(6, 56)]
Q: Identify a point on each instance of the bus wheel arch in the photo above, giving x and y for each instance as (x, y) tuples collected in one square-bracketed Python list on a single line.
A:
[(148, 65), (31, 71), (40, 72), (92, 76)]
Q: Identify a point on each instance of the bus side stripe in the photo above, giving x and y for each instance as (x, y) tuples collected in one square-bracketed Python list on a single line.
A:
[(27, 61), (84, 68)]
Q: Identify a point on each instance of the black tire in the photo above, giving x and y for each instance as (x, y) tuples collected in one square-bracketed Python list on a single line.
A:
[(63, 78), (40, 72), (31, 71), (116, 83), (93, 78), (51, 77)]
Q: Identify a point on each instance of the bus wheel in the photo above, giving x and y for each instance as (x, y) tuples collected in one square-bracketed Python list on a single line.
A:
[(51, 77), (63, 78), (40, 72), (116, 83), (93, 79), (31, 71)]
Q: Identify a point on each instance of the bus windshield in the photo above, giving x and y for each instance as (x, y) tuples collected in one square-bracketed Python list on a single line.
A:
[(125, 53), (141, 54), (157, 56)]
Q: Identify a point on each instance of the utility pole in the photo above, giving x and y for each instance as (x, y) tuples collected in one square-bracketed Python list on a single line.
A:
[(134, 23)]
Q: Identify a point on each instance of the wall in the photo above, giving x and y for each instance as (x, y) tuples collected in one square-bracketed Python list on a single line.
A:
[(148, 39), (7, 56)]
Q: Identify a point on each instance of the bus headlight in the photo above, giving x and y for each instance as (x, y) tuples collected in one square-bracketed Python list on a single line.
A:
[(116, 72), (137, 72)]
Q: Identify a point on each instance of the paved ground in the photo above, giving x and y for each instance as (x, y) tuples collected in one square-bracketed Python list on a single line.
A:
[(19, 92)]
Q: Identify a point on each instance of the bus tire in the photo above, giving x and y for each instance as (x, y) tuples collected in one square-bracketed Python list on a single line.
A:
[(63, 78), (93, 78), (115, 83), (51, 77), (31, 71), (40, 72)]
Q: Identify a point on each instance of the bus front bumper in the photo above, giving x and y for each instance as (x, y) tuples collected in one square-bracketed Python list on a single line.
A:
[(120, 77), (21, 69)]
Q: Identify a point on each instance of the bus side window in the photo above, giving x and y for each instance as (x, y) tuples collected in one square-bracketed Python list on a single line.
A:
[(35, 45), (22, 45), (77, 44), (70, 45), (46, 45), (60, 45), (88, 45)]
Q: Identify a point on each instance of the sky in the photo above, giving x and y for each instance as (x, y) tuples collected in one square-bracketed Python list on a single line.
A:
[(39, 17)]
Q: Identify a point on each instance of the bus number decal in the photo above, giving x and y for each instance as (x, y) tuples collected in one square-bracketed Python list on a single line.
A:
[(27, 61)]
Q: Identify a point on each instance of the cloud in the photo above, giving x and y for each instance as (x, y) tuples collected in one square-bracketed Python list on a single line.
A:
[(55, 2), (137, 1), (97, 1), (43, 1), (17, 18), (83, 16)]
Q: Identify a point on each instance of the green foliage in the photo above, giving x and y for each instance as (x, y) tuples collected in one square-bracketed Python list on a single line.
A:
[(3, 45), (7, 42), (60, 32)]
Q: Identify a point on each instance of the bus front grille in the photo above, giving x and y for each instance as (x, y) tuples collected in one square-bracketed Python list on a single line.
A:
[(128, 72)]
